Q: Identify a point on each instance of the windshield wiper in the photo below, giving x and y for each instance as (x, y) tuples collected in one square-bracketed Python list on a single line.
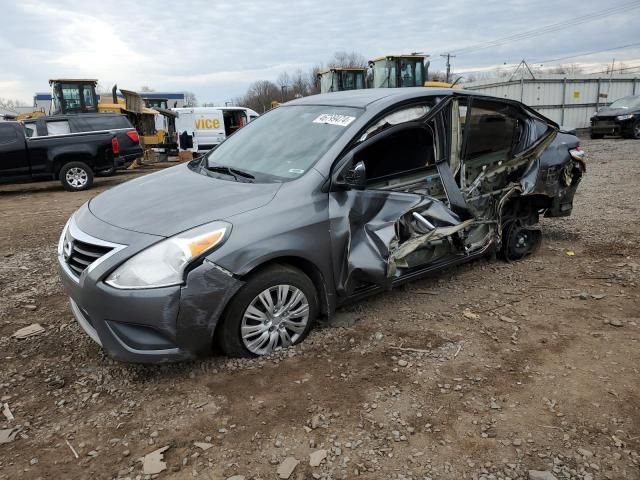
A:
[(234, 172)]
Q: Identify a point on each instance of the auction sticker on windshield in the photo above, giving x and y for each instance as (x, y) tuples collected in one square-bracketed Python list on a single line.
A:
[(334, 119)]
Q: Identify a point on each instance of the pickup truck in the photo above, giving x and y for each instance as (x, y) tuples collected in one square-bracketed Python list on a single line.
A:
[(73, 158), (128, 138)]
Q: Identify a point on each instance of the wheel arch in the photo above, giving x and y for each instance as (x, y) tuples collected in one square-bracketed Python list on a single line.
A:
[(61, 160), (307, 267)]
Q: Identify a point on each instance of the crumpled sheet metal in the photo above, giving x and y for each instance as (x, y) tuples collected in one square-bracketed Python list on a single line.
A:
[(365, 234), (418, 241), (370, 233)]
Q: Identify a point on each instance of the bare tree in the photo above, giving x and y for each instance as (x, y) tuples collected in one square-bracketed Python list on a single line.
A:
[(312, 79), (290, 85), (260, 95), (190, 99), (11, 104), (146, 88)]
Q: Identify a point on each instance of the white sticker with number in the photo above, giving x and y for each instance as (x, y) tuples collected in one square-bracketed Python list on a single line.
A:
[(334, 119)]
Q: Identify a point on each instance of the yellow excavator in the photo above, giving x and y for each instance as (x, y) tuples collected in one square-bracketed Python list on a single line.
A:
[(74, 95), (342, 78), (388, 71)]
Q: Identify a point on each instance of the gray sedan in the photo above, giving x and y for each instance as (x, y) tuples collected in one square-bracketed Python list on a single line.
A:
[(321, 201)]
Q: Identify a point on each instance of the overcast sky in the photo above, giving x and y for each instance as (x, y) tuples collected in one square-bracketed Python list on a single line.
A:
[(217, 48)]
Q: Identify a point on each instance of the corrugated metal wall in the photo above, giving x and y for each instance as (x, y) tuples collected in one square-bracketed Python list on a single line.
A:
[(568, 101)]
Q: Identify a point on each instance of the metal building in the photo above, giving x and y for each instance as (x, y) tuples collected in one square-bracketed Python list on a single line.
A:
[(568, 100)]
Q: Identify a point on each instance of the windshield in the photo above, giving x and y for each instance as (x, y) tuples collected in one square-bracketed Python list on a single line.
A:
[(283, 144), (626, 102)]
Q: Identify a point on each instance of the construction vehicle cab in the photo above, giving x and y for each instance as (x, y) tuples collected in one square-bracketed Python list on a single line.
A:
[(395, 71), (339, 79), (73, 96), (156, 102)]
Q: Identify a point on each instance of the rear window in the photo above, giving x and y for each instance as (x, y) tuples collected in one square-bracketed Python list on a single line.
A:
[(7, 134), (30, 130), (59, 127), (105, 123)]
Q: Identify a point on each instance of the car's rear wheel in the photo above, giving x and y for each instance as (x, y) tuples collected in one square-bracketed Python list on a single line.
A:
[(275, 309), (76, 176), (518, 241)]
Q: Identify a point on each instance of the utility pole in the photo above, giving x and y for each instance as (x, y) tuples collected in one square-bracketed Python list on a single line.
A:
[(449, 57)]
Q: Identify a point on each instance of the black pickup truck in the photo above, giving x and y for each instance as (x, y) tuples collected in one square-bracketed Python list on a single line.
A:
[(130, 148), (73, 158)]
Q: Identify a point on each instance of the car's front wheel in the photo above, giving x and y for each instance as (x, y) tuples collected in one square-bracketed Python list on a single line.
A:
[(275, 309)]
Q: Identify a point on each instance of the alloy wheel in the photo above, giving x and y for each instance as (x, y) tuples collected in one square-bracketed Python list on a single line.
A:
[(276, 318), (76, 177)]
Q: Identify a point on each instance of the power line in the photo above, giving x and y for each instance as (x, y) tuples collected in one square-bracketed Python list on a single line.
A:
[(585, 54), (550, 28)]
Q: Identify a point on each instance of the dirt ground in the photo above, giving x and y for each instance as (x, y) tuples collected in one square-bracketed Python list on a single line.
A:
[(486, 371)]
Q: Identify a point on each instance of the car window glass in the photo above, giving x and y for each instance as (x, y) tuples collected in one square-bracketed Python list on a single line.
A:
[(30, 130), (285, 142), (58, 127), (403, 115), (626, 103), (403, 161), (71, 96), (89, 99), (490, 132), (7, 134), (397, 117)]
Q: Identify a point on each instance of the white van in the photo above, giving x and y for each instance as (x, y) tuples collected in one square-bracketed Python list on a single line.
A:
[(202, 128)]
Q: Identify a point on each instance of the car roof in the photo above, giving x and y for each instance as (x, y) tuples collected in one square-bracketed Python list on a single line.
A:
[(365, 97)]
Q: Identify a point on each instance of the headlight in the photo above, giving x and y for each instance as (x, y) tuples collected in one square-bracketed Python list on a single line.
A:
[(624, 117), (163, 264)]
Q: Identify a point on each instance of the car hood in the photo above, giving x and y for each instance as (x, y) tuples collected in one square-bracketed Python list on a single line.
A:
[(177, 199), (614, 112)]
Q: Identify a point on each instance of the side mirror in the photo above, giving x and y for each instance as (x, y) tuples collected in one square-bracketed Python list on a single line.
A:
[(356, 177)]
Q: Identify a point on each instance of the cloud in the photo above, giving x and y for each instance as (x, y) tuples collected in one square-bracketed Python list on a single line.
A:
[(218, 48)]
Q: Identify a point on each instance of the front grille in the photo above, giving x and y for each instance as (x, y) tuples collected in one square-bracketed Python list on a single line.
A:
[(604, 123), (79, 255)]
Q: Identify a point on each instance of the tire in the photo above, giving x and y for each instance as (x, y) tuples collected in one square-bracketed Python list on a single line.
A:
[(596, 136), (241, 313), (518, 241), (76, 176), (635, 130)]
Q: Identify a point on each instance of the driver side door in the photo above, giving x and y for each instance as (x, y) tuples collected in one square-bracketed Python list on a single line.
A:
[(394, 206)]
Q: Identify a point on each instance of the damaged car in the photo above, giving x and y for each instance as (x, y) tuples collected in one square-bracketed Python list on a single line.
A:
[(320, 202)]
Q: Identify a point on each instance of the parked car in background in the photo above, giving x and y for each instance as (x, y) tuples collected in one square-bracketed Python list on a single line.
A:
[(73, 158), (319, 202), (119, 125), (621, 118)]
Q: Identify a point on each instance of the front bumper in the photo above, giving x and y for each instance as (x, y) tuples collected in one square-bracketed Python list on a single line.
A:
[(611, 127), (147, 325)]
